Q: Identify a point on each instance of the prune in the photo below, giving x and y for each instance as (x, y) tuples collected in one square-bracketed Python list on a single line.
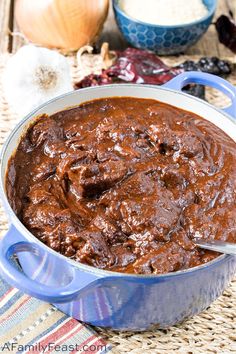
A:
[(211, 65), (189, 65), (195, 90)]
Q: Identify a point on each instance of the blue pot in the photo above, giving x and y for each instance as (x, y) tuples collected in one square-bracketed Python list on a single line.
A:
[(164, 40), (105, 298)]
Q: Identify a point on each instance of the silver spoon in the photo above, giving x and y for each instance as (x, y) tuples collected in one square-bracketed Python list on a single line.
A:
[(216, 245)]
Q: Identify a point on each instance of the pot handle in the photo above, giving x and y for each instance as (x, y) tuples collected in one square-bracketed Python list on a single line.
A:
[(196, 77), (11, 244)]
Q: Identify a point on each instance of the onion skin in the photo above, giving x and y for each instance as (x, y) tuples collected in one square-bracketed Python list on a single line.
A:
[(62, 24)]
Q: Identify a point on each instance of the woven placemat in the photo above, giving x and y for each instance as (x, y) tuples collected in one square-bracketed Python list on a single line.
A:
[(213, 331)]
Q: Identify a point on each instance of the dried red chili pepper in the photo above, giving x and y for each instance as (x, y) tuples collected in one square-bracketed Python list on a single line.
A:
[(133, 65), (141, 66), (226, 29)]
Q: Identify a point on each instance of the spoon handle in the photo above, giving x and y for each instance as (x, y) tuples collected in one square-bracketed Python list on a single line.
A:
[(216, 245)]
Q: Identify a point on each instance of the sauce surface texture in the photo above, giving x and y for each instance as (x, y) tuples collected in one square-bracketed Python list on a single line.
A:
[(125, 184)]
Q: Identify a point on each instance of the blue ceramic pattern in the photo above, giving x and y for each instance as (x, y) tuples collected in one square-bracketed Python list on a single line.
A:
[(164, 40), (109, 299)]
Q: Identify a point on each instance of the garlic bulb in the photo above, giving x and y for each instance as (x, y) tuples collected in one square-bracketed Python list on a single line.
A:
[(33, 76), (64, 24)]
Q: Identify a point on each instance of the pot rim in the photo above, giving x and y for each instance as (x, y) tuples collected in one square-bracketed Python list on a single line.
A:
[(101, 272)]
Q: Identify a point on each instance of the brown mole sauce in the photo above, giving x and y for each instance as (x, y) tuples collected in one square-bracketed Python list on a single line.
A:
[(125, 184)]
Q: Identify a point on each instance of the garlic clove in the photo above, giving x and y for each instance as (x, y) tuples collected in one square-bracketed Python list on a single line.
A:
[(33, 76)]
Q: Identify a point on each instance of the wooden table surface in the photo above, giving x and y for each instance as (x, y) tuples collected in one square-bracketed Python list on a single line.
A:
[(207, 46)]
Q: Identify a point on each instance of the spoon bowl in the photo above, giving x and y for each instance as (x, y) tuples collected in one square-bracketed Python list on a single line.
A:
[(216, 245)]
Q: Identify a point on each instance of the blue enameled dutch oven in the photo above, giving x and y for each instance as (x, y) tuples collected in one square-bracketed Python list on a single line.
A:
[(105, 298)]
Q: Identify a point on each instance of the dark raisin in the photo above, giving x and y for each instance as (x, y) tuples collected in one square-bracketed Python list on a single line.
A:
[(195, 90), (211, 65)]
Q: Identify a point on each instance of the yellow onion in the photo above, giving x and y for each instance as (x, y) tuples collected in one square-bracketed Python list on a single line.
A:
[(64, 24)]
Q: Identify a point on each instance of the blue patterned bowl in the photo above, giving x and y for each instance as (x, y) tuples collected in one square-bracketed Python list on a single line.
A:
[(164, 40)]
